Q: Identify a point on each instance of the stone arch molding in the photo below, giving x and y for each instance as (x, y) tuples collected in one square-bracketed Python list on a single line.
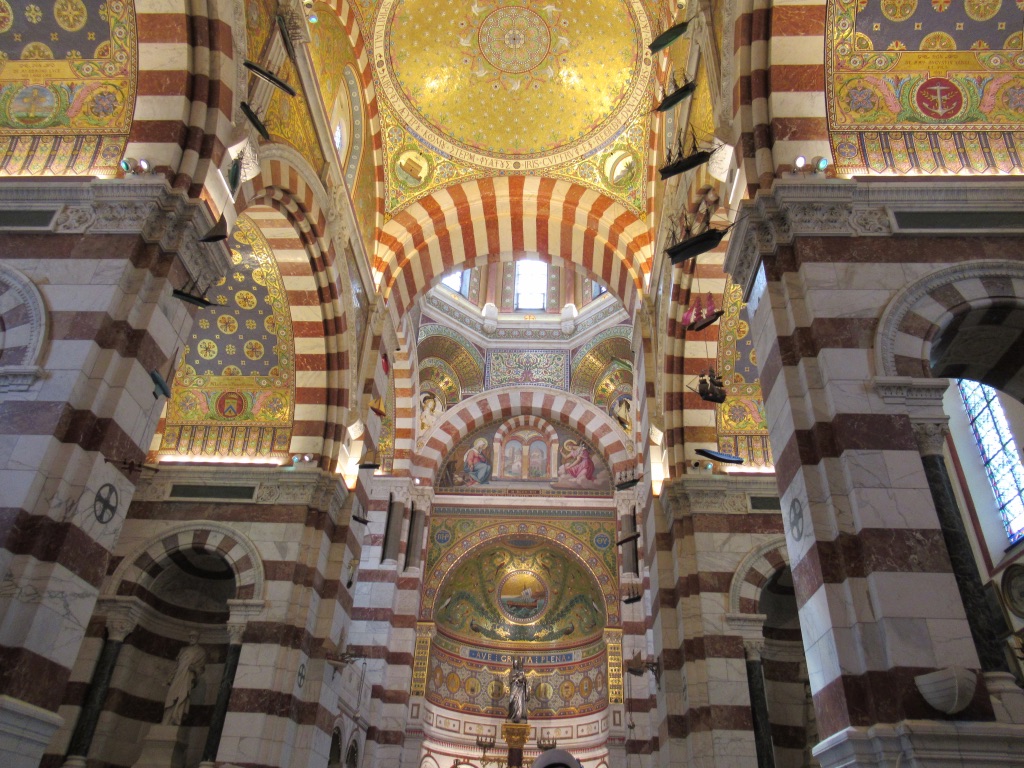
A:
[(500, 404), (24, 326), (753, 573), (916, 316), (141, 567)]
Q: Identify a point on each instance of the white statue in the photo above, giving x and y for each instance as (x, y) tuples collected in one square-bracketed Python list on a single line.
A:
[(190, 665)]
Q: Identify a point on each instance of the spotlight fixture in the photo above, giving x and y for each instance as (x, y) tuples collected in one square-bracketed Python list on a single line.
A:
[(676, 96), (666, 38), (800, 162), (254, 119), (819, 165), (217, 232), (133, 167), (684, 164), (269, 76), (696, 245), (725, 458)]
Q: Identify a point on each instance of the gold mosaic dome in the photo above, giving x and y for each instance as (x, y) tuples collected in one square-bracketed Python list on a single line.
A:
[(514, 86)]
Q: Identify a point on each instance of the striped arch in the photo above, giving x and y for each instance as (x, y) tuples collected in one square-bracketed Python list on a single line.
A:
[(465, 224), (926, 314), (285, 182), (351, 23), (24, 325), (188, 137), (140, 569), (505, 403), (753, 573)]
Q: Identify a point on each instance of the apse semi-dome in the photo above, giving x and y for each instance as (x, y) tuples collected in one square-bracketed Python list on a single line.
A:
[(472, 79), (521, 590)]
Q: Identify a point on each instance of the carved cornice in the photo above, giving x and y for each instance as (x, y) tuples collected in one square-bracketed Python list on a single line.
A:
[(713, 494), (146, 205), (277, 485), (920, 398), (796, 207)]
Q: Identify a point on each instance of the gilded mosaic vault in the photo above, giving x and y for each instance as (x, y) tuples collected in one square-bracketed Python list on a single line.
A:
[(234, 388), (929, 87), (68, 78), (460, 82)]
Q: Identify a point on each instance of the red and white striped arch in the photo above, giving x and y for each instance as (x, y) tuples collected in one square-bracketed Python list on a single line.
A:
[(496, 218), (500, 404), (285, 184), (355, 36)]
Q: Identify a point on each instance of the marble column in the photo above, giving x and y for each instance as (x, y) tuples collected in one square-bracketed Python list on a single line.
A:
[(78, 750), (759, 704), (981, 614), (227, 681)]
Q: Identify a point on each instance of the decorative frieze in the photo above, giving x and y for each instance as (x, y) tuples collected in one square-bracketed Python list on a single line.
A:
[(144, 205)]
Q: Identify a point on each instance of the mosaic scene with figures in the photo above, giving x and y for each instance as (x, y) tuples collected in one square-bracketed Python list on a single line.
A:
[(511, 384)]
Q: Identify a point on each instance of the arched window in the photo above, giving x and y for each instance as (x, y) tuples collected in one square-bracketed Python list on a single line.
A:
[(531, 284), (458, 282), (999, 453)]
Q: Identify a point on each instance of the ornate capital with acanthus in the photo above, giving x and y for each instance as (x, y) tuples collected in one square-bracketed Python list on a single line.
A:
[(931, 436), (753, 648), (235, 632)]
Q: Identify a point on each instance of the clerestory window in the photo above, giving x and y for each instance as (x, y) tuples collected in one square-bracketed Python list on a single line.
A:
[(998, 453), (531, 284)]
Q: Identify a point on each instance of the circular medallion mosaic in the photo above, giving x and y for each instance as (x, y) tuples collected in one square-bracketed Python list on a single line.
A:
[(522, 597), (469, 80), (514, 39)]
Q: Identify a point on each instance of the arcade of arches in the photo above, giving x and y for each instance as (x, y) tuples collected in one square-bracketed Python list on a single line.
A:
[(318, 410)]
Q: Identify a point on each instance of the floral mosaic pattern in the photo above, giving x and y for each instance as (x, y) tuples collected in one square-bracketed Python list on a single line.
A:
[(233, 392), (68, 78), (930, 86)]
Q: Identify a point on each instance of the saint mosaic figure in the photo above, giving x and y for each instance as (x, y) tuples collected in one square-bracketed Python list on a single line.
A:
[(190, 665), (517, 693)]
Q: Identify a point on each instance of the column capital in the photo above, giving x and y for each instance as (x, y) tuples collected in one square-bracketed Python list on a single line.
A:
[(753, 648), (930, 436), (235, 632), (119, 627)]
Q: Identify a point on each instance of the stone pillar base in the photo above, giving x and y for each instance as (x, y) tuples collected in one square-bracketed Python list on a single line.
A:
[(924, 744), (161, 748), (25, 730)]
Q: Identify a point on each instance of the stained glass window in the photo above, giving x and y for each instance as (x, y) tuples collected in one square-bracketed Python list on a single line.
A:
[(531, 284), (453, 281), (998, 451)]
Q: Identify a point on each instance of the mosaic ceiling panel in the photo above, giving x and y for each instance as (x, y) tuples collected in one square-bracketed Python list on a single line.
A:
[(929, 86), (289, 120), (742, 424), (463, 86), (520, 588), (233, 392), (68, 77)]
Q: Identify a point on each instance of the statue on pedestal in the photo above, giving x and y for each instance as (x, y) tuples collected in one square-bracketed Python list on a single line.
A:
[(517, 693), (190, 665)]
